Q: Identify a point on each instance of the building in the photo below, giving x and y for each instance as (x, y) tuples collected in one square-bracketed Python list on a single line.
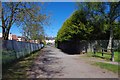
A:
[(10, 36), (14, 37), (0, 35), (34, 41), (21, 38), (50, 40)]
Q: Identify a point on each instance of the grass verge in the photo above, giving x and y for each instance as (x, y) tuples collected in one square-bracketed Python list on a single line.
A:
[(105, 56), (110, 67), (19, 68)]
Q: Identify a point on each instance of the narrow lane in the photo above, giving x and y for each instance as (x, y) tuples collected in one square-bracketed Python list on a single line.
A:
[(53, 63)]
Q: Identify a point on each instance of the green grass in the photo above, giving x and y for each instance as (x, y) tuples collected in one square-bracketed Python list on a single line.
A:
[(19, 68), (110, 67), (105, 56)]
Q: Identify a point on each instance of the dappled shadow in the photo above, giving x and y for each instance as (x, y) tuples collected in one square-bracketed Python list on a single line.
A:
[(98, 56), (102, 57), (47, 51), (43, 66), (19, 67)]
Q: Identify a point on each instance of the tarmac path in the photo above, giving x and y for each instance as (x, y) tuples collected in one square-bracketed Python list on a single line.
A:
[(53, 63)]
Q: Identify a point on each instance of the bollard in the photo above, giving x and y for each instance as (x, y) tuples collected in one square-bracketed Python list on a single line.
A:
[(94, 50), (102, 52), (112, 55)]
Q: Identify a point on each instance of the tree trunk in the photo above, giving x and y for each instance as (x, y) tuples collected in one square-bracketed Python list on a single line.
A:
[(6, 28), (110, 40), (3, 32), (110, 44), (5, 35)]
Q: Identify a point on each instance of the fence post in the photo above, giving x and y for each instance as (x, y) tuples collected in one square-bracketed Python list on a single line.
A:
[(94, 50), (102, 51), (112, 54)]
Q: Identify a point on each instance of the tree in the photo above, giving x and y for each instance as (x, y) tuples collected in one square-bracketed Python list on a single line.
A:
[(113, 15), (81, 26), (107, 12), (75, 28), (21, 14), (33, 32)]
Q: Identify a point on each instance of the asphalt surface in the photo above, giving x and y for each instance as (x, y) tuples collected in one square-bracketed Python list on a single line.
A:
[(53, 63)]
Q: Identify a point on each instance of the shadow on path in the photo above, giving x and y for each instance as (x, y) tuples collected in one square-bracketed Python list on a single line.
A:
[(53, 63), (42, 67)]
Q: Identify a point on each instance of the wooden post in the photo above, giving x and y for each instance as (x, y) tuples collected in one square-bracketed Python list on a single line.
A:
[(102, 52), (112, 54), (94, 50)]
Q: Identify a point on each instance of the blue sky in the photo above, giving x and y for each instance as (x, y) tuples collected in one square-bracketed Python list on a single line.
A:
[(59, 12)]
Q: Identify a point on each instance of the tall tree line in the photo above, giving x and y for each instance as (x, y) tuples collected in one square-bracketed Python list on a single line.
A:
[(92, 21)]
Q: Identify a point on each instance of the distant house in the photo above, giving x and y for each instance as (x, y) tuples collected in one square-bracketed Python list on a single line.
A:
[(50, 40), (9, 37), (14, 37), (34, 41), (31, 41), (21, 38), (0, 35)]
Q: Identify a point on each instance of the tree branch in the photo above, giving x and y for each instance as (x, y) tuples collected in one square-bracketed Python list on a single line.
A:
[(115, 17), (7, 18), (3, 21)]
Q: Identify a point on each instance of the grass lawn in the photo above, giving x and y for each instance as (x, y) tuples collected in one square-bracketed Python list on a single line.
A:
[(105, 56), (19, 68), (110, 67)]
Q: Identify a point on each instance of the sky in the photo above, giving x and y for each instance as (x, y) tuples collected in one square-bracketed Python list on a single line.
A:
[(59, 12), (60, 0)]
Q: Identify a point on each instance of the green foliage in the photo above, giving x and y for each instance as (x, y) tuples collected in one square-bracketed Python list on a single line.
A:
[(102, 16), (116, 31), (75, 28), (91, 22)]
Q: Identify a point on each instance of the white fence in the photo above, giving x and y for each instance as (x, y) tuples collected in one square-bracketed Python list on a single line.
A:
[(12, 50)]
